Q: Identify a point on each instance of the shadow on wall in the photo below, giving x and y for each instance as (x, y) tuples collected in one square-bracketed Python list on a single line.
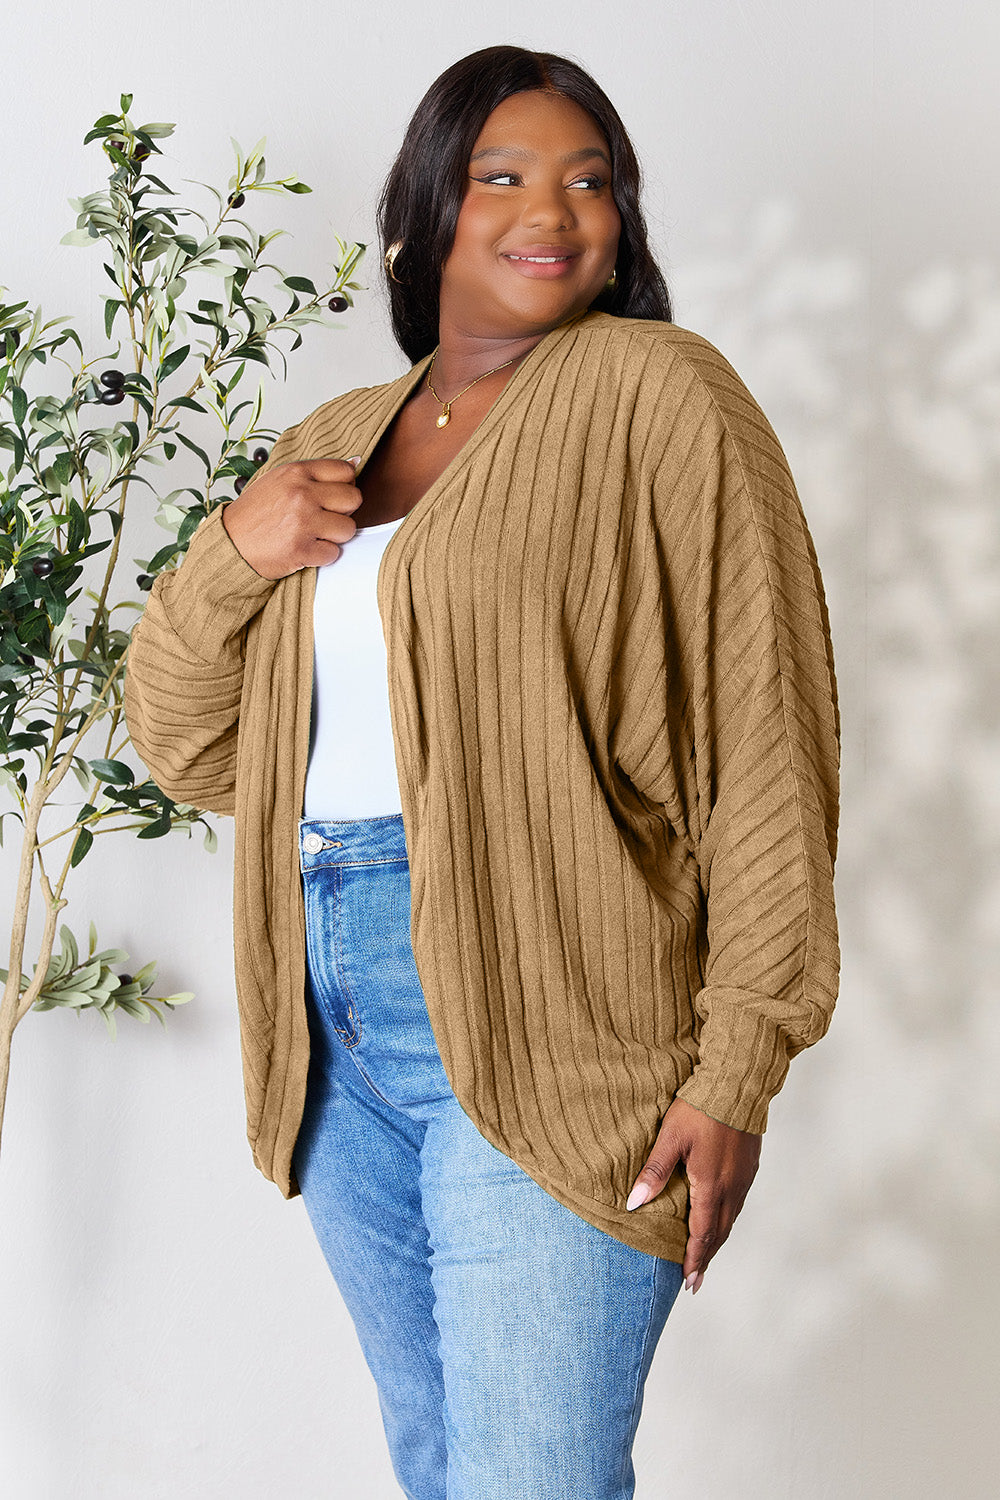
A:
[(887, 402), (931, 933)]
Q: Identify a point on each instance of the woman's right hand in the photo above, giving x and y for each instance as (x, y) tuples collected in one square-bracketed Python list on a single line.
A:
[(295, 516)]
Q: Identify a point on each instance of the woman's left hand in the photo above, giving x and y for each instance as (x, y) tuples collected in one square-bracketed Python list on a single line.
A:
[(720, 1164)]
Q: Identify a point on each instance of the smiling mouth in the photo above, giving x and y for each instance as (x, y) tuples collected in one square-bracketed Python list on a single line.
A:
[(542, 264)]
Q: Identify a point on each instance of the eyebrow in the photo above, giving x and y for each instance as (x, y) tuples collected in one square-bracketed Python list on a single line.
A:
[(586, 153)]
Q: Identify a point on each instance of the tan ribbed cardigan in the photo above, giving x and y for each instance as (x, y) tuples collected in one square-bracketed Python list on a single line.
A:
[(616, 733)]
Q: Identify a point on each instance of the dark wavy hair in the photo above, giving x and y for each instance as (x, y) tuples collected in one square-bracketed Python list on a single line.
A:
[(427, 183)]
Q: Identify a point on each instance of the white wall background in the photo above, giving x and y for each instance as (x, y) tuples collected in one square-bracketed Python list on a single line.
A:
[(823, 198)]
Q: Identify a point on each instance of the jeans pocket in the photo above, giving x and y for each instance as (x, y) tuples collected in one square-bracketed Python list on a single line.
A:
[(332, 1007)]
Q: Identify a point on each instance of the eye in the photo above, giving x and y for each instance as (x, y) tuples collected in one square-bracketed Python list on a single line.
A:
[(591, 180)]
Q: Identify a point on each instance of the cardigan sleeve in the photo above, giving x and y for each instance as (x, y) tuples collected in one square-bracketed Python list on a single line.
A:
[(184, 671), (751, 639)]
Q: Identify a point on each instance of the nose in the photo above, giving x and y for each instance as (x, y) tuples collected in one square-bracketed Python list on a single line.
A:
[(547, 208)]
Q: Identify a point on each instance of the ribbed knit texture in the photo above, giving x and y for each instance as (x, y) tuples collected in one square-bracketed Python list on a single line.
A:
[(616, 731)]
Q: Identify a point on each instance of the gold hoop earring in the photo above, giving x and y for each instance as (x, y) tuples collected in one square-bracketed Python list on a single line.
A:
[(390, 259), (611, 282)]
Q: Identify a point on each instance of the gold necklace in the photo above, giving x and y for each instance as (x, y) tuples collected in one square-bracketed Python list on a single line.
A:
[(446, 406)]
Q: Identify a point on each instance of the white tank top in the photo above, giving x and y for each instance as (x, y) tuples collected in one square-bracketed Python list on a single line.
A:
[(352, 764)]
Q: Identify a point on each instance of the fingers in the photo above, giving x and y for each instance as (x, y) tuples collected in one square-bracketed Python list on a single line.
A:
[(660, 1165), (296, 515), (710, 1218), (329, 470), (720, 1163)]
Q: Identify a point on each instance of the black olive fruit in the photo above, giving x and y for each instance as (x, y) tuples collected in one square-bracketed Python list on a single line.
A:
[(338, 304), (113, 379), (145, 581), (139, 154), (260, 455), (111, 398), (124, 979), (13, 335), (42, 567), (239, 485), (238, 200)]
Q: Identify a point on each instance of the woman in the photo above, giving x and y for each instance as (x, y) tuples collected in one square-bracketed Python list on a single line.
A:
[(516, 674)]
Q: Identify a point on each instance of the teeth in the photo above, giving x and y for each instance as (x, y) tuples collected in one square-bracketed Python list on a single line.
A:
[(542, 260)]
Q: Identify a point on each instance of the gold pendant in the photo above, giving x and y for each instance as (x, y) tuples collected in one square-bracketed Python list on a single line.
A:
[(445, 417)]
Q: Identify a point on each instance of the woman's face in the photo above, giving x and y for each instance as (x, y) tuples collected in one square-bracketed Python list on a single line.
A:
[(537, 233)]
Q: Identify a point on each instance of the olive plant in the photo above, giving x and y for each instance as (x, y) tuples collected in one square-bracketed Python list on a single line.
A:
[(65, 478)]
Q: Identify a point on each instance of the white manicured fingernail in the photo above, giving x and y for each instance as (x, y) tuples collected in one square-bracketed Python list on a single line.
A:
[(690, 1281), (638, 1195)]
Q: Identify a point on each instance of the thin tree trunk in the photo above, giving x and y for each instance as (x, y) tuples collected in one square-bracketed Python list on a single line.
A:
[(14, 1005)]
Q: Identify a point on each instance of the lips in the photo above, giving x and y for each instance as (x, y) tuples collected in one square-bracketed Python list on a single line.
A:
[(541, 262), (544, 254)]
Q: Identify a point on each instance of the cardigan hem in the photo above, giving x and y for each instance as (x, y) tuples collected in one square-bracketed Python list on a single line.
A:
[(646, 1228)]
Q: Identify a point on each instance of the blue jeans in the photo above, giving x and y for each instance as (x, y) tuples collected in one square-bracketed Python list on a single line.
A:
[(509, 1339)]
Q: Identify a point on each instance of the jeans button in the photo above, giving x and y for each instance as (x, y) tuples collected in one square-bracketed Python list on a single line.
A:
[(312, 843)]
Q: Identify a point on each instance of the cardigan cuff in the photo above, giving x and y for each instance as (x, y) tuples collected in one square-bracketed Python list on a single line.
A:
[(214, 593), (744, 1055)]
